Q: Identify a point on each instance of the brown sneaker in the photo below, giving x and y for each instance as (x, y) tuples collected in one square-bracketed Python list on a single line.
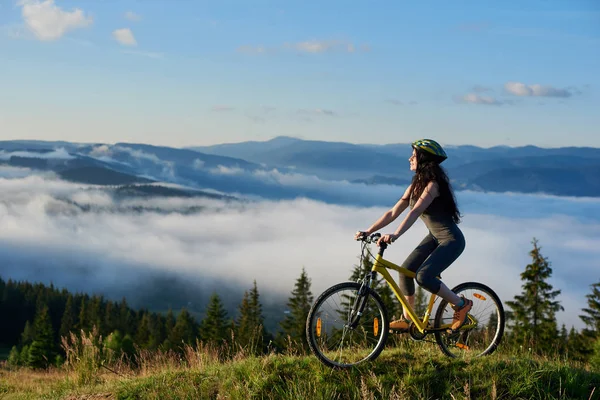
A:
[(460, 314), (399, 325)]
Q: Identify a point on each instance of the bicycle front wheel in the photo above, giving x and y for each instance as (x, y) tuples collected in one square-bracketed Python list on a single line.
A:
[(337, 335), (483, 330)]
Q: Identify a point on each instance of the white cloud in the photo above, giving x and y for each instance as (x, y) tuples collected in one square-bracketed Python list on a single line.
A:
[(43, 238), (474, 98), (124, 36), (198, 164), (131, 16), (307, 47), (148, 54), (223, 170), (322, 46), (521, 89), (59, 153), (222, 108), (317, 111), (48, 21)]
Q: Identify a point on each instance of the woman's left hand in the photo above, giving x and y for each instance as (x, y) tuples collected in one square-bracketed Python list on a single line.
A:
[(388, 239)]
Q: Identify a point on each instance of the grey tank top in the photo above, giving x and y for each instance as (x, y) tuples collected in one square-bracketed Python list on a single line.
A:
[(439, 221)]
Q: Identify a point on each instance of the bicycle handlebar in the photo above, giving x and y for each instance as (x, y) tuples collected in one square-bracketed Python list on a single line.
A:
[(373, 238)]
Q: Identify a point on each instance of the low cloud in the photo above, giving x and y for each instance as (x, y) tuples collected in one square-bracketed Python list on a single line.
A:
[(149, 54), (222, 108), (397, 102), (49, 22), (482, 89), (131, 16), (474, 98), (307, 47), (536, 90), (58, 154), (317, 111), (47, 237), (124, 36), (223, 170)]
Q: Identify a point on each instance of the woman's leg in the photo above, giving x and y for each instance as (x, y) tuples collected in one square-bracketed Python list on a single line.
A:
[(441, 258), (412, 263), (427, 276)]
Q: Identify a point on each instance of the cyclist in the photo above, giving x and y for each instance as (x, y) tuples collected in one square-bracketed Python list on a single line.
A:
[(430, 197)]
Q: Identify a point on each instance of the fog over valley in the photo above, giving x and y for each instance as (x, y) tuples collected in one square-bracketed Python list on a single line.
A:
[(161, 251)]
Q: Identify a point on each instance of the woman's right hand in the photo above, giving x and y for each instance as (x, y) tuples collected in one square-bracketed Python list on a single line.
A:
[(358, 235)]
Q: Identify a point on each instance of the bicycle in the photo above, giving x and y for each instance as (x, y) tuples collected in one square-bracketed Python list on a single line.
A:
[(355, 328)]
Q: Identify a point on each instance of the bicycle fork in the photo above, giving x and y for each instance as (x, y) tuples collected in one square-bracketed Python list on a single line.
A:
[(361, 300)]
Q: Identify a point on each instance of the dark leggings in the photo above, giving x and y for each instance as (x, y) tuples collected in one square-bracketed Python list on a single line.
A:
[(429, 259)]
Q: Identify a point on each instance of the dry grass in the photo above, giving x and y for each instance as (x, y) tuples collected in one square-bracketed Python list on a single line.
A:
[(407, 371)]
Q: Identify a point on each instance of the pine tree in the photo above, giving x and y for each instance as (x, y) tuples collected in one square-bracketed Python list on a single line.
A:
[(532, 318), (41, 351), (215, 328), (169, 324), (299, 304), (14, 358), (576, 346), (82, 321), (184, 331), (68, 318), (250, 331), (28, 334), (591, 316), (142, 336)]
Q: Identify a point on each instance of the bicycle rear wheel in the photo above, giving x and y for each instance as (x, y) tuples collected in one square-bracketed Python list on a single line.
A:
[(335, 334), (482, 332)]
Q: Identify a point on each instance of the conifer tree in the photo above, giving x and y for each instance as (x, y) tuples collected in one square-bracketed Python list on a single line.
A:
[(109, 319), (68, 319), (169, 324), (576, 346), (215, 328), (41, 351), (250, 330), (27, 335), (591, 316), (142, 336), (294, 324), (14, 357), (184, 331), (532, 318), (82, 321), (157, 332)]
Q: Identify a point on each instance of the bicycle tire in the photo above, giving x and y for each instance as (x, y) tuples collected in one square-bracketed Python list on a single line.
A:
[(316, 311), (477, 287)]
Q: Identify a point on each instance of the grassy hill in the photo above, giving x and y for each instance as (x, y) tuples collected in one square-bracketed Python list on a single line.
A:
[(407, 371)]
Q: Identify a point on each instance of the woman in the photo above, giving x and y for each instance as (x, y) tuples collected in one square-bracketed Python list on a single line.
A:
[(430, 197)]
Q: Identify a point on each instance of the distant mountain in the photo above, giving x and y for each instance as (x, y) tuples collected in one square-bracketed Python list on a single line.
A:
[(100, 176), (565, 181), (525, 169), (286, 168), (329, 160)]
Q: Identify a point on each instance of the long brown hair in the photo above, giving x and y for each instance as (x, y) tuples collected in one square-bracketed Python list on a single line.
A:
[(429, 169)]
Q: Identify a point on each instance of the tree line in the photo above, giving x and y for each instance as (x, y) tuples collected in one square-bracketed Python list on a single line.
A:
[(36, 317)]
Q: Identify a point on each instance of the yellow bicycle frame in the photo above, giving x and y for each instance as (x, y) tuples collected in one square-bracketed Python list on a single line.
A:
[(381, 266)]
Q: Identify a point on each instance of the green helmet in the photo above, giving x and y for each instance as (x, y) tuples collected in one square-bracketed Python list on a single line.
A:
[(430, 146)]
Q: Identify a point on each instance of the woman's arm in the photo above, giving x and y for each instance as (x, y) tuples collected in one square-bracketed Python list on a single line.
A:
[(430, 192), (392, 214)]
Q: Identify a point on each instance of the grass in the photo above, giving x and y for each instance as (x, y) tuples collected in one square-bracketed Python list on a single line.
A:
[(418, 371)]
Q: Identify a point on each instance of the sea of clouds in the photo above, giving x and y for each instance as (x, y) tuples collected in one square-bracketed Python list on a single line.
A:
[(45, 236)]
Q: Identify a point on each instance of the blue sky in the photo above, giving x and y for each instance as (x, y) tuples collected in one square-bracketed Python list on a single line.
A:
[(184, 72)]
